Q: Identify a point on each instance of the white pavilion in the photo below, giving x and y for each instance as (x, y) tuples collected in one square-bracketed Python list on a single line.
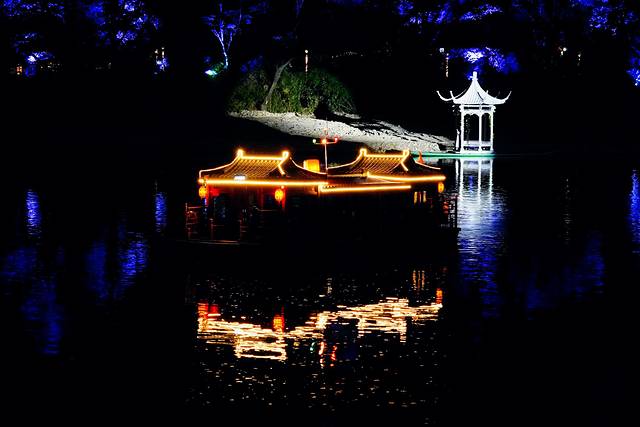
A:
[(475, 135)]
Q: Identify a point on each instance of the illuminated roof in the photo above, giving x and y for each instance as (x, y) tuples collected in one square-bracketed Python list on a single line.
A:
[(390, 167), (474, 95), (368, 172), (255, 168)]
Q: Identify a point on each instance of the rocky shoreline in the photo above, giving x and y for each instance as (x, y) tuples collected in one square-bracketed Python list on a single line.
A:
[(378, 135)]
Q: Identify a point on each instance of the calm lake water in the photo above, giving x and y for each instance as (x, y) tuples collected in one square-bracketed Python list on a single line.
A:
[(528, 322)]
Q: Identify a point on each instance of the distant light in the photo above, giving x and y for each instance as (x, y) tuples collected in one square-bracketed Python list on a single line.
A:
[(210, 73), (441, 187), (31, 59), (441, 50), (202, 191), (240, 178)]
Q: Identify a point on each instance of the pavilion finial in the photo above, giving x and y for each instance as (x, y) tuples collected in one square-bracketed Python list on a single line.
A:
[(474, 76)]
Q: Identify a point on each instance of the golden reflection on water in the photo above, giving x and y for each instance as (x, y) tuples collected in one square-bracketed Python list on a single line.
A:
[(389, 316)]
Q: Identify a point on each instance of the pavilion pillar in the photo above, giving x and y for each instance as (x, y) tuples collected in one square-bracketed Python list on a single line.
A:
[(491, 128), (480, 131), (462, 115)]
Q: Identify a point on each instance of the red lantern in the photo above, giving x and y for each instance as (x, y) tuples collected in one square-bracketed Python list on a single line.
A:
[(278, 323)]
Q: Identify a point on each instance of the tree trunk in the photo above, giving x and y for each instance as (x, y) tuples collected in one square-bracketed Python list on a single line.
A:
[(274, 83)]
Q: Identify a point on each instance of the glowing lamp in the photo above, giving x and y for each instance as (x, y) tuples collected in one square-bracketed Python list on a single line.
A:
[(279, 195), (202, 191), (312, 165), (324, 140), (441, 187)]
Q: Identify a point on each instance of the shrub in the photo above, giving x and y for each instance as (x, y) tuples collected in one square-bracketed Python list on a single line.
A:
[(296, 92), (250, 93)]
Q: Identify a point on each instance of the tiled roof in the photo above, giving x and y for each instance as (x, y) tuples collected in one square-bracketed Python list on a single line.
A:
[(261, 167), (383, 165), (475, 95)]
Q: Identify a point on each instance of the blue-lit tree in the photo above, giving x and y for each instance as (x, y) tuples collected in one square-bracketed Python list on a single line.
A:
[(229, 19), (121, 23), (34, 25), (123, 30), (29, 8)]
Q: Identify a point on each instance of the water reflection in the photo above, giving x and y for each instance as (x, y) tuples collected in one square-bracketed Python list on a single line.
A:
[(23, 273), (481, 213), (44, 315), (389, 316), (337, 340), (133, 257), (96, 270), (634, 210), (33, 214), (160, 212)]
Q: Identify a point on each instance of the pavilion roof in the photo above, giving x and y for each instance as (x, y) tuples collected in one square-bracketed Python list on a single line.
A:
[(474, 95), (262, 168), (388, 166)]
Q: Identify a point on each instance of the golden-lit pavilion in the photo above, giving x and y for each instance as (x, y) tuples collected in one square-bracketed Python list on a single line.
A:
[(256, 190)]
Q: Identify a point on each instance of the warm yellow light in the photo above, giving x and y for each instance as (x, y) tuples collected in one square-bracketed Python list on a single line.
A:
[(202, 191), (266, 183), (279, 195), (441, 187), (312, 165), (428, 178), (201, 181), (363, 188), (240, 154)]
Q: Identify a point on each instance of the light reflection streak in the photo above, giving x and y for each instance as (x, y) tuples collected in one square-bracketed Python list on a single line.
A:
[(389, 316), (33, 214), (481, 212), (160, 212), (634, 210), (133, 257)]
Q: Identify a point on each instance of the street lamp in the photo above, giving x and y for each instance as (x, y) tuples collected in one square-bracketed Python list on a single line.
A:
[(326, 141)]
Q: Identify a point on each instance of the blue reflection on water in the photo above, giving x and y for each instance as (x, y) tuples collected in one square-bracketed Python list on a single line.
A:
[(160, 212), (481, 210), (34, 216), (96, 271), (634, 210), (22, 272), (44, 313), (133, 261), (18, 265)]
